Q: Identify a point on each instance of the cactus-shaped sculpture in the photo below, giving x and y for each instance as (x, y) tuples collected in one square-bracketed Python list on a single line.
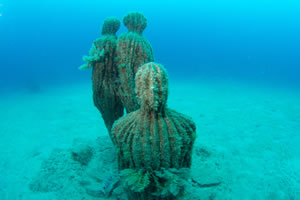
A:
[(133, 50), (154, 143), (105, 74)]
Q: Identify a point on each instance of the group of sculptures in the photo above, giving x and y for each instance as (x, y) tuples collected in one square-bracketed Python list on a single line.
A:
[(154, 143)]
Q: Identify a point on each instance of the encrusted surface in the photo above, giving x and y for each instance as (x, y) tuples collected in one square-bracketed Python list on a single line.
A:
[(154, 137), (133, 50)]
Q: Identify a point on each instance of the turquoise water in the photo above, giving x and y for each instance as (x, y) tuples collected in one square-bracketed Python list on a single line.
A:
[(246, 40), (234, 67)]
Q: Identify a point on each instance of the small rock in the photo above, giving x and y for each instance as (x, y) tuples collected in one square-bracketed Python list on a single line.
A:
[(81, 151)]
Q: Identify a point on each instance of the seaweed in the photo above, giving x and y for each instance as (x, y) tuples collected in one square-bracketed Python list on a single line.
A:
[(163, 183), (135, 180)]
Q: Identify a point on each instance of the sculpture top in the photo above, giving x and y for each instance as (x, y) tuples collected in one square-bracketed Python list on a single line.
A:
[(135, 21), (110, 26), (152, 87)]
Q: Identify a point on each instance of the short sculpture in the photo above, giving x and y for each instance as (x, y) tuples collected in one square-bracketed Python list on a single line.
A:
[(105, 74), (133, 50), (154, 143)]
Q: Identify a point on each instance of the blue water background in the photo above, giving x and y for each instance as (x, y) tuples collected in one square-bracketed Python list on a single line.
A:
[(42, 42)]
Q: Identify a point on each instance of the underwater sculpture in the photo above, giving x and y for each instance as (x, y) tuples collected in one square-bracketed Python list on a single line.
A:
[(133, 50), (105, 74), (154, 143)]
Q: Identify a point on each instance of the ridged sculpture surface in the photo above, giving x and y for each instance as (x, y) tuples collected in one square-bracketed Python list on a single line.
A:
[(105, 74), (154, 143), (133, 50)]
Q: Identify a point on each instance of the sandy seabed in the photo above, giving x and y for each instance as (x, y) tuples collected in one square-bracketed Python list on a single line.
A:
[(248, 140)]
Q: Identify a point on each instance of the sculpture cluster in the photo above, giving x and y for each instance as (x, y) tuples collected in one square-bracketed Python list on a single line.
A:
[(154, 143)]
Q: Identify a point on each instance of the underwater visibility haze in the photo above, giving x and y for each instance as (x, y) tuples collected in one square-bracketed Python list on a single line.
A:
[(149, 99), (235, 39)]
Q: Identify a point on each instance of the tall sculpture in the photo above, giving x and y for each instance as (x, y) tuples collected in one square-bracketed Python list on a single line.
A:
[(102, 59), (133, 50)]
